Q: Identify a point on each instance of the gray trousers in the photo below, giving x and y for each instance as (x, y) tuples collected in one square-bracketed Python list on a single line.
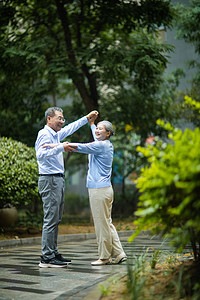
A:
[(52, 191)]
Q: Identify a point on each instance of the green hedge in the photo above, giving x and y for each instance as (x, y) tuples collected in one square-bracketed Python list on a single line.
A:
[(170, 188), (18, 174)]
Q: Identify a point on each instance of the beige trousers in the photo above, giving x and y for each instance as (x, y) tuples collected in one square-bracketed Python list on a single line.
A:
[(107, 237)]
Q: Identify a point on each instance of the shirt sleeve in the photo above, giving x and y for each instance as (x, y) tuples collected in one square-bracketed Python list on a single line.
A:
[(96, 147), (71, 128), (93, 128), (45, 153)]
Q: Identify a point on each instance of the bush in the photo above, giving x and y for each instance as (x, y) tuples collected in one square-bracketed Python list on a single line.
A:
[(125, 205), (76, 204), (19, 174), (170, 189)]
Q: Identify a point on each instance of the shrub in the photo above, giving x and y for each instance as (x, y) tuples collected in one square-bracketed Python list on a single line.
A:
[(76, 204), (170, 188), (18, 175), (125, 205)]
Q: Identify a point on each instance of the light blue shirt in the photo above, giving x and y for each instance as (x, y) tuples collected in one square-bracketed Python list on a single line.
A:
[(50, 160), (100, 161)]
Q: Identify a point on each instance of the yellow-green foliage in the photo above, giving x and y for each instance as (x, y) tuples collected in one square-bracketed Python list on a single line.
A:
[(192, 103), (170, 187)]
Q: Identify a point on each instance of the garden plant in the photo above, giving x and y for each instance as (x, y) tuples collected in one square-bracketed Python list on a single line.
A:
[(19, 175), (170, 187)]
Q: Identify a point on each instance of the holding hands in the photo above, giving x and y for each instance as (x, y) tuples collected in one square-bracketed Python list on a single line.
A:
[(69, 148), (66, 146)]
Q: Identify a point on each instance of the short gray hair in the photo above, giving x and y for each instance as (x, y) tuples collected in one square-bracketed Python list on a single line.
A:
[(108, 126), (50, 112)]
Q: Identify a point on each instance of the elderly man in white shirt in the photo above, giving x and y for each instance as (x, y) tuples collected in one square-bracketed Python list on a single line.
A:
[(51, 181)]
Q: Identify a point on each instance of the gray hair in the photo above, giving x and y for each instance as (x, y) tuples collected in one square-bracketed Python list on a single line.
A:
[(108, 126), (50, 112)]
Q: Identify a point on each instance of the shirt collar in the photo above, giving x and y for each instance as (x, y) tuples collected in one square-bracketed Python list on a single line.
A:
[(50, 130)]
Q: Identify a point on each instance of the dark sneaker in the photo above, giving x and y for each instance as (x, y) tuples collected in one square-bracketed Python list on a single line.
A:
[(52, 263), (61, 258)]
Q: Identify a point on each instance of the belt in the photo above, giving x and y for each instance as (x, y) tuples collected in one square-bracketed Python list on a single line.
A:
[(57, 174)]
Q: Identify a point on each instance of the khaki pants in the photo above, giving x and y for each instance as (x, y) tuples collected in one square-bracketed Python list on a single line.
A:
[(107, 237)]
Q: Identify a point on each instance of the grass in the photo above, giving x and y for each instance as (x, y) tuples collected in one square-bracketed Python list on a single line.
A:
[(168, 280)]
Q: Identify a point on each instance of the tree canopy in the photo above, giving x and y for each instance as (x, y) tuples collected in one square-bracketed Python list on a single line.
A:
[(90, 46), (188, 28)]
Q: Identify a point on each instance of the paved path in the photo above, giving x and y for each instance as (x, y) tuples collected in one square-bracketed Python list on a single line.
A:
[(21, 278)]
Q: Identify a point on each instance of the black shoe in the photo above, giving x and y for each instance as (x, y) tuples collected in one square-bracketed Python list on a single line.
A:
[(61, 258), (52, 263)]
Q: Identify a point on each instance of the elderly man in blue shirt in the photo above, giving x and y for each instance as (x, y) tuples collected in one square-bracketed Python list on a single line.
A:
[(51, 181)]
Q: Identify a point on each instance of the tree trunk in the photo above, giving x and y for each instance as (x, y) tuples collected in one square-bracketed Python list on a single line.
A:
[(78, 75)]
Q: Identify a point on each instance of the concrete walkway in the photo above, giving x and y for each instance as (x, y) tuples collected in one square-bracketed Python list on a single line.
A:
[(21, 278)]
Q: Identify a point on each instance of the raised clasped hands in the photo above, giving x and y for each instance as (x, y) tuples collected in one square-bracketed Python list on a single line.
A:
[(92, 116)]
